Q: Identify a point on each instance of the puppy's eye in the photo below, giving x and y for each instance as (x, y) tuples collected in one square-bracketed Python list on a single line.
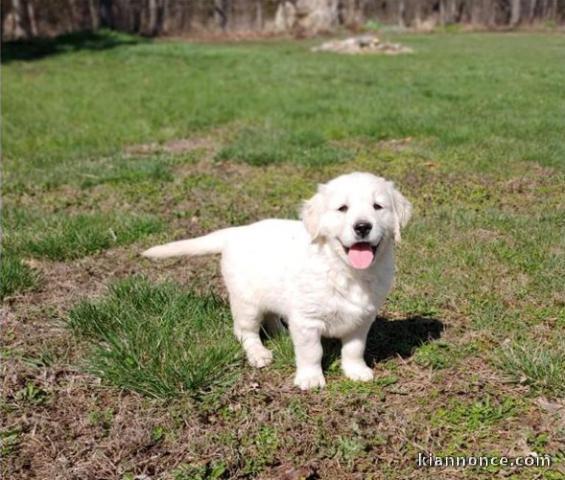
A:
[(343, 208), (376, 206)]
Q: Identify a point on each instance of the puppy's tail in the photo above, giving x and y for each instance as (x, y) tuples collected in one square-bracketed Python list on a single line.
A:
[(206, 245)]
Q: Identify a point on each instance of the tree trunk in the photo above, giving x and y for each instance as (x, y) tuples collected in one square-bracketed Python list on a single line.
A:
[(106, 13), (418, 14), (515, 13), (543, 9), (17, 26), (532, 11), (476, 11), (452, 11), (94, 16), (221, 12), (152, 22), (488, 13), (259, 15), (31, 19), (401, 13)]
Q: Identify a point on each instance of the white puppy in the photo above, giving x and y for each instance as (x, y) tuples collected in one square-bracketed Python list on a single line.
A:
[(327, 275)]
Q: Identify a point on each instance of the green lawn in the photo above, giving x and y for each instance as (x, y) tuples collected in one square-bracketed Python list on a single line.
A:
[(127, 367)]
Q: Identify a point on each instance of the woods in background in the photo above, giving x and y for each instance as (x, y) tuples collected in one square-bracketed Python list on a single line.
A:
[(24, 19)]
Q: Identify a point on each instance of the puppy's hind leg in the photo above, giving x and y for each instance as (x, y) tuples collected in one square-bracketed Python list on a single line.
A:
[(246, 326)]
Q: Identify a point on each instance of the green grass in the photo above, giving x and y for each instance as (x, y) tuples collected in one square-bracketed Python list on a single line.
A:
[(129, 171), (16, 277), (462, 420), (540, 365), (157, 339), (212, 471), (67, 237), (470, 127), (266, 146), (9, 441), (435, 355), (461, 92), (476, 415)]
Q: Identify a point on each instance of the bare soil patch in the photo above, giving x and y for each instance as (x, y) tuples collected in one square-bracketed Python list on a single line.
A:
[(174, 147), (363, 44)]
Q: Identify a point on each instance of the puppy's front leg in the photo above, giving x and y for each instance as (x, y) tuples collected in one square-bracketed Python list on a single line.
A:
[(352, 352), (308, 352)]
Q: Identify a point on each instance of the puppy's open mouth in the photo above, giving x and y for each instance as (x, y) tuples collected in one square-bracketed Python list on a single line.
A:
[(361, 255)]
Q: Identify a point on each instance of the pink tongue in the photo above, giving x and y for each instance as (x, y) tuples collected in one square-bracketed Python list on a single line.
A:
[(360, 255)]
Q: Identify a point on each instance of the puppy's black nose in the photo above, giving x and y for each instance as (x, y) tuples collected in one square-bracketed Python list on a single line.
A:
[(362, 228)]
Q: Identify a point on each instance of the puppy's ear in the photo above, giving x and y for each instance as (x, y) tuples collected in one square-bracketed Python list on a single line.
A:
[(402, 211), (311, 214)]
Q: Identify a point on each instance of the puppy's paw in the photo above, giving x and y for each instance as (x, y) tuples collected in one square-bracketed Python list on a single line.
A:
[(306, 379), (358, 371), (259, 357)]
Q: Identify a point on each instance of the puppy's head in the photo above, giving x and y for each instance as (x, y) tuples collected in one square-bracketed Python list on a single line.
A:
[(356, 214)]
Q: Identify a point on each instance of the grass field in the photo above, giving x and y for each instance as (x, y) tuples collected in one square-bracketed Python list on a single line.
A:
[(117, 367)]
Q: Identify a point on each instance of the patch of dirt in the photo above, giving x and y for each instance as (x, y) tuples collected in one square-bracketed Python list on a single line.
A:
[(534, 176), (396, 144), (484, 235), (173, 147), (361, 144), (364, 44)]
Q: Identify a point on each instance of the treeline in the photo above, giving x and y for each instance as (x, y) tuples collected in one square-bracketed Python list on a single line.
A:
[(23, 19)]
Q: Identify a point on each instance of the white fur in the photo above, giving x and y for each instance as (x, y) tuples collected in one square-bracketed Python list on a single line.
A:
[(300, 271)]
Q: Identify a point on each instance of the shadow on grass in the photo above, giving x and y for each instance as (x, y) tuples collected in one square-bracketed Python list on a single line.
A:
[(37, 49), (390, 338)]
